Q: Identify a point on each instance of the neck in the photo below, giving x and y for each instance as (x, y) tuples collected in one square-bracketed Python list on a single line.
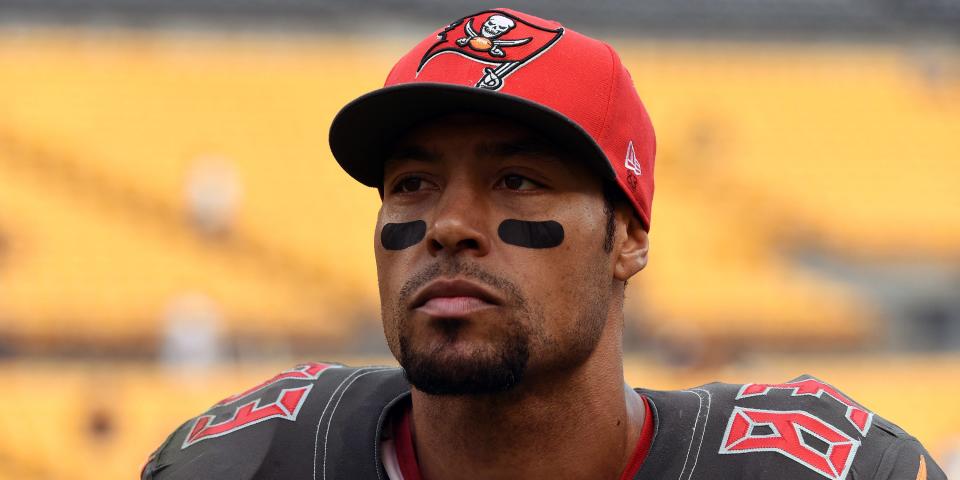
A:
[(578, 424)]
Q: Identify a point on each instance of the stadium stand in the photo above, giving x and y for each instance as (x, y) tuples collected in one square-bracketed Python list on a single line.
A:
[(788, 148), (763, 151), (113, 185)]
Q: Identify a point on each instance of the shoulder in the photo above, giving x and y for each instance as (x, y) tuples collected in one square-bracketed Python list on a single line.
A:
[(802, 428), (277, 428)]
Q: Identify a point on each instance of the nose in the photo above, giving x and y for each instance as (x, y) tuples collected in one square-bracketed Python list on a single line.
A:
[(458, 225)]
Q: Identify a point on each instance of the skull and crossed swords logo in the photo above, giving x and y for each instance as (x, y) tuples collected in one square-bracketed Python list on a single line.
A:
[(488, 38), (486, 44)]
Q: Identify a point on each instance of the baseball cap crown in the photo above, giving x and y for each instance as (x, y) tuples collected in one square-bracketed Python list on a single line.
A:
[(571, 88)]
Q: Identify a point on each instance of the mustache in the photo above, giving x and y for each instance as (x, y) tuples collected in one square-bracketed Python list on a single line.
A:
[(457, 267)]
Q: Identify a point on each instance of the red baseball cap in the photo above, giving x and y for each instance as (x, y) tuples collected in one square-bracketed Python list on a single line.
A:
[(570, 88)]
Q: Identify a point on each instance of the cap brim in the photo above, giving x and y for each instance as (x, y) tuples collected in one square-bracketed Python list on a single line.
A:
[(366, 129)]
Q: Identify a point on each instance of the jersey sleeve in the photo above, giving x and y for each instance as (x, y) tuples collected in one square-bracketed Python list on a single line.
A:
[(153, 466), (907, 459), (316, 420), (243, 435), (800, 429)]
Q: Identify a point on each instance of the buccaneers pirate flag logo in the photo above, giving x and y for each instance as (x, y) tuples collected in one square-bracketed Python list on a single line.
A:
[(494, 38)]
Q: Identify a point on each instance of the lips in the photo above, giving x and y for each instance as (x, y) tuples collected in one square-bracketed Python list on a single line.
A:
[(453, 298)]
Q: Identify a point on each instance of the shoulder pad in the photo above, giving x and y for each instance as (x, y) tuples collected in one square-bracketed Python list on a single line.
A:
[(282, 427), (801, 429)]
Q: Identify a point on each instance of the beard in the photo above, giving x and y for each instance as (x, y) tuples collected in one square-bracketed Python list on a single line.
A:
[(498, 364), (496, 369)]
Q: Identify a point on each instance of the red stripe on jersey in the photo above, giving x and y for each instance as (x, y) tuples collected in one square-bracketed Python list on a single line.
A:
[(643, 444), (406, 455)]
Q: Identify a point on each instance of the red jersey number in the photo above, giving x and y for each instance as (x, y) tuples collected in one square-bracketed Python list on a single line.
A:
[(286, 406), (789, 433)]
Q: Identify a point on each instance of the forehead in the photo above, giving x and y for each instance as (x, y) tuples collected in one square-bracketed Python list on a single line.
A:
[(457, 138), (459, 127)]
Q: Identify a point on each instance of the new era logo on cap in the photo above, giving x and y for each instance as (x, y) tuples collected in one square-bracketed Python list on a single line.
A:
[(631, 162)]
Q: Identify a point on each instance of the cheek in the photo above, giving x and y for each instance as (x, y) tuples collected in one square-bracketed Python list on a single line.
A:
[(572, 272), (390, 238)]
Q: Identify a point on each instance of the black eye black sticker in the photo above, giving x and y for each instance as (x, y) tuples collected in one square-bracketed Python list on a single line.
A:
[(397, 236), (546, 234)]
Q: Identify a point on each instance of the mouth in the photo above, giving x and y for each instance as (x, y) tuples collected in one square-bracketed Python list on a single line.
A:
[(453, 298)]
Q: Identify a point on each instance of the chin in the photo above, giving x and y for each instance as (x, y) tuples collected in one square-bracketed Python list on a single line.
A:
[(461, 366)]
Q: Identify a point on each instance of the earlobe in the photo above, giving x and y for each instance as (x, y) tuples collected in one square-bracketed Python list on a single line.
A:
[(632, 251)]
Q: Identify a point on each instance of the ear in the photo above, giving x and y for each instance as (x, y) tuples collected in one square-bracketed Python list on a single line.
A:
[(631, 251)]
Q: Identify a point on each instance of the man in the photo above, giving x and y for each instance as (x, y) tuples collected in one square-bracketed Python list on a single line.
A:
[(515, 163)]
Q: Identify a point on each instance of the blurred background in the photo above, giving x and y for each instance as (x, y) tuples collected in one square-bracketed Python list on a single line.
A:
[(173, 227)]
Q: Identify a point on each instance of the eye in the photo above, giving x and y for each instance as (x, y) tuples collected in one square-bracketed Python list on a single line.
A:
[(517, 182), (410, 184)]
